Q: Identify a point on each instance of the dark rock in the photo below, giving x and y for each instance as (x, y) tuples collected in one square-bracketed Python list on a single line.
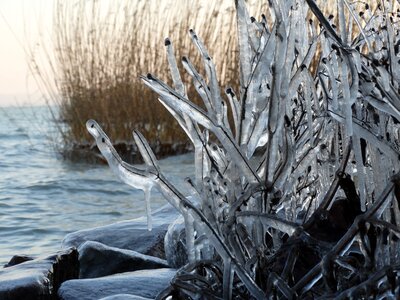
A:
[(175, 244), (39, 278), (132, 234), (18, 259), (144, 283), (98, 260)]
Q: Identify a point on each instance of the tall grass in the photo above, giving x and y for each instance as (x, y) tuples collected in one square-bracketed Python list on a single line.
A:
[(99, 48)]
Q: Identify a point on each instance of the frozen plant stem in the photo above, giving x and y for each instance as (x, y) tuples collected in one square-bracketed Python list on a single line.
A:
[(284, 202)]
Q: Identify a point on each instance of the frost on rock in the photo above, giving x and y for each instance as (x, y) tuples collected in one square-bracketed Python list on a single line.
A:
[(298, 196)]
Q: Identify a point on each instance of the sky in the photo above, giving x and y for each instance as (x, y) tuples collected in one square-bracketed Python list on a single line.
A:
[(22, 23)]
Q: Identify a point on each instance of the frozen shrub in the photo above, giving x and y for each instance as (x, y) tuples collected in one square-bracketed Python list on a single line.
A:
[(296, 187)]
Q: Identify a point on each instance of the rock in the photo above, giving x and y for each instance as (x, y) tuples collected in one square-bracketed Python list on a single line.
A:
[(39, 278), (144, 283), (132, 234), (175, 244), (124, 297), (17, 259), (98, 260)]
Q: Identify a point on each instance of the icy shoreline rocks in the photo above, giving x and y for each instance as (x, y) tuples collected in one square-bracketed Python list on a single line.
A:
[(117, 261), (131, 234), (109, 260), (38, 278), (175, 244), (144, 283)]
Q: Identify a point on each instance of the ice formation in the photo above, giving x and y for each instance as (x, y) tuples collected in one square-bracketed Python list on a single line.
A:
[(298, 196)]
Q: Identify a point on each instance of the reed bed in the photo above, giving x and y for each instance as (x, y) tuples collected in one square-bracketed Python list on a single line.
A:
[(297, 198), (97, 50)]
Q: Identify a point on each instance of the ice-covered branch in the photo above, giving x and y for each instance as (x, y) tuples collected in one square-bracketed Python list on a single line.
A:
[(289, 195)]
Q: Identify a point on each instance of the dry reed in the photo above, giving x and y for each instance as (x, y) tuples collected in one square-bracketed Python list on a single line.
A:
[(99, 48)]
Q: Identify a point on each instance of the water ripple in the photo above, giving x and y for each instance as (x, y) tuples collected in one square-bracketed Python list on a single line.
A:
[(43, 198)]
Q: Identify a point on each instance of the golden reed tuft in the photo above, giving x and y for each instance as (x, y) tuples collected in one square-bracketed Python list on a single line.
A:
[(99, 49)]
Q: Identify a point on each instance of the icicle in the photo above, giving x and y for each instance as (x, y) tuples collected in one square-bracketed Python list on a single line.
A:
[(177, 101), (190, 236), (212, 75), (348, 102), (259, 129), (218, 155), (181, 120), (308, 59), (235, 106), (295, 25), (360, 173), (384, 105), (383, 80), (267, 53), (335, 73), (394, 61), (372, 138), (227, 279), (196, 113), (245, 52), (135, 177), (295, 81), (273, 156), (308, 85), (145, 150), (247, 57), (258, 234), (199, 83), (225, 119), (148, 208), (275, 109), (176, 198), (140, 179), (205, 161), (254, 290), (270, 221), (176, 77)]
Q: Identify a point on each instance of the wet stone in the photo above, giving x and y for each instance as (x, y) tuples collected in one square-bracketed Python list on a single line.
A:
[(124, 297), (17, 259), (39, 278), (98, 260), (143, 283), (131, 234)]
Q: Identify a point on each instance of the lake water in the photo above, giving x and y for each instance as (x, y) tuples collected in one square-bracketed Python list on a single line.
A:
[(43, 197)]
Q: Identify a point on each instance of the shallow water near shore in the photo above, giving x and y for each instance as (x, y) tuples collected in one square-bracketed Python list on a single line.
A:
[(43, 197)]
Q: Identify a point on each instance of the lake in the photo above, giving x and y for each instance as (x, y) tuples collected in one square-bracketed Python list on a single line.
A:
[(43, 197)]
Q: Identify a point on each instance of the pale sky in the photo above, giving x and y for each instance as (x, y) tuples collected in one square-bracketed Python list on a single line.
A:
[(22, 22)]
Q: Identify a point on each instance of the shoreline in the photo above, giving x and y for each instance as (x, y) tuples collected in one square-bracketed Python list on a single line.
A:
[(121, 252)]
